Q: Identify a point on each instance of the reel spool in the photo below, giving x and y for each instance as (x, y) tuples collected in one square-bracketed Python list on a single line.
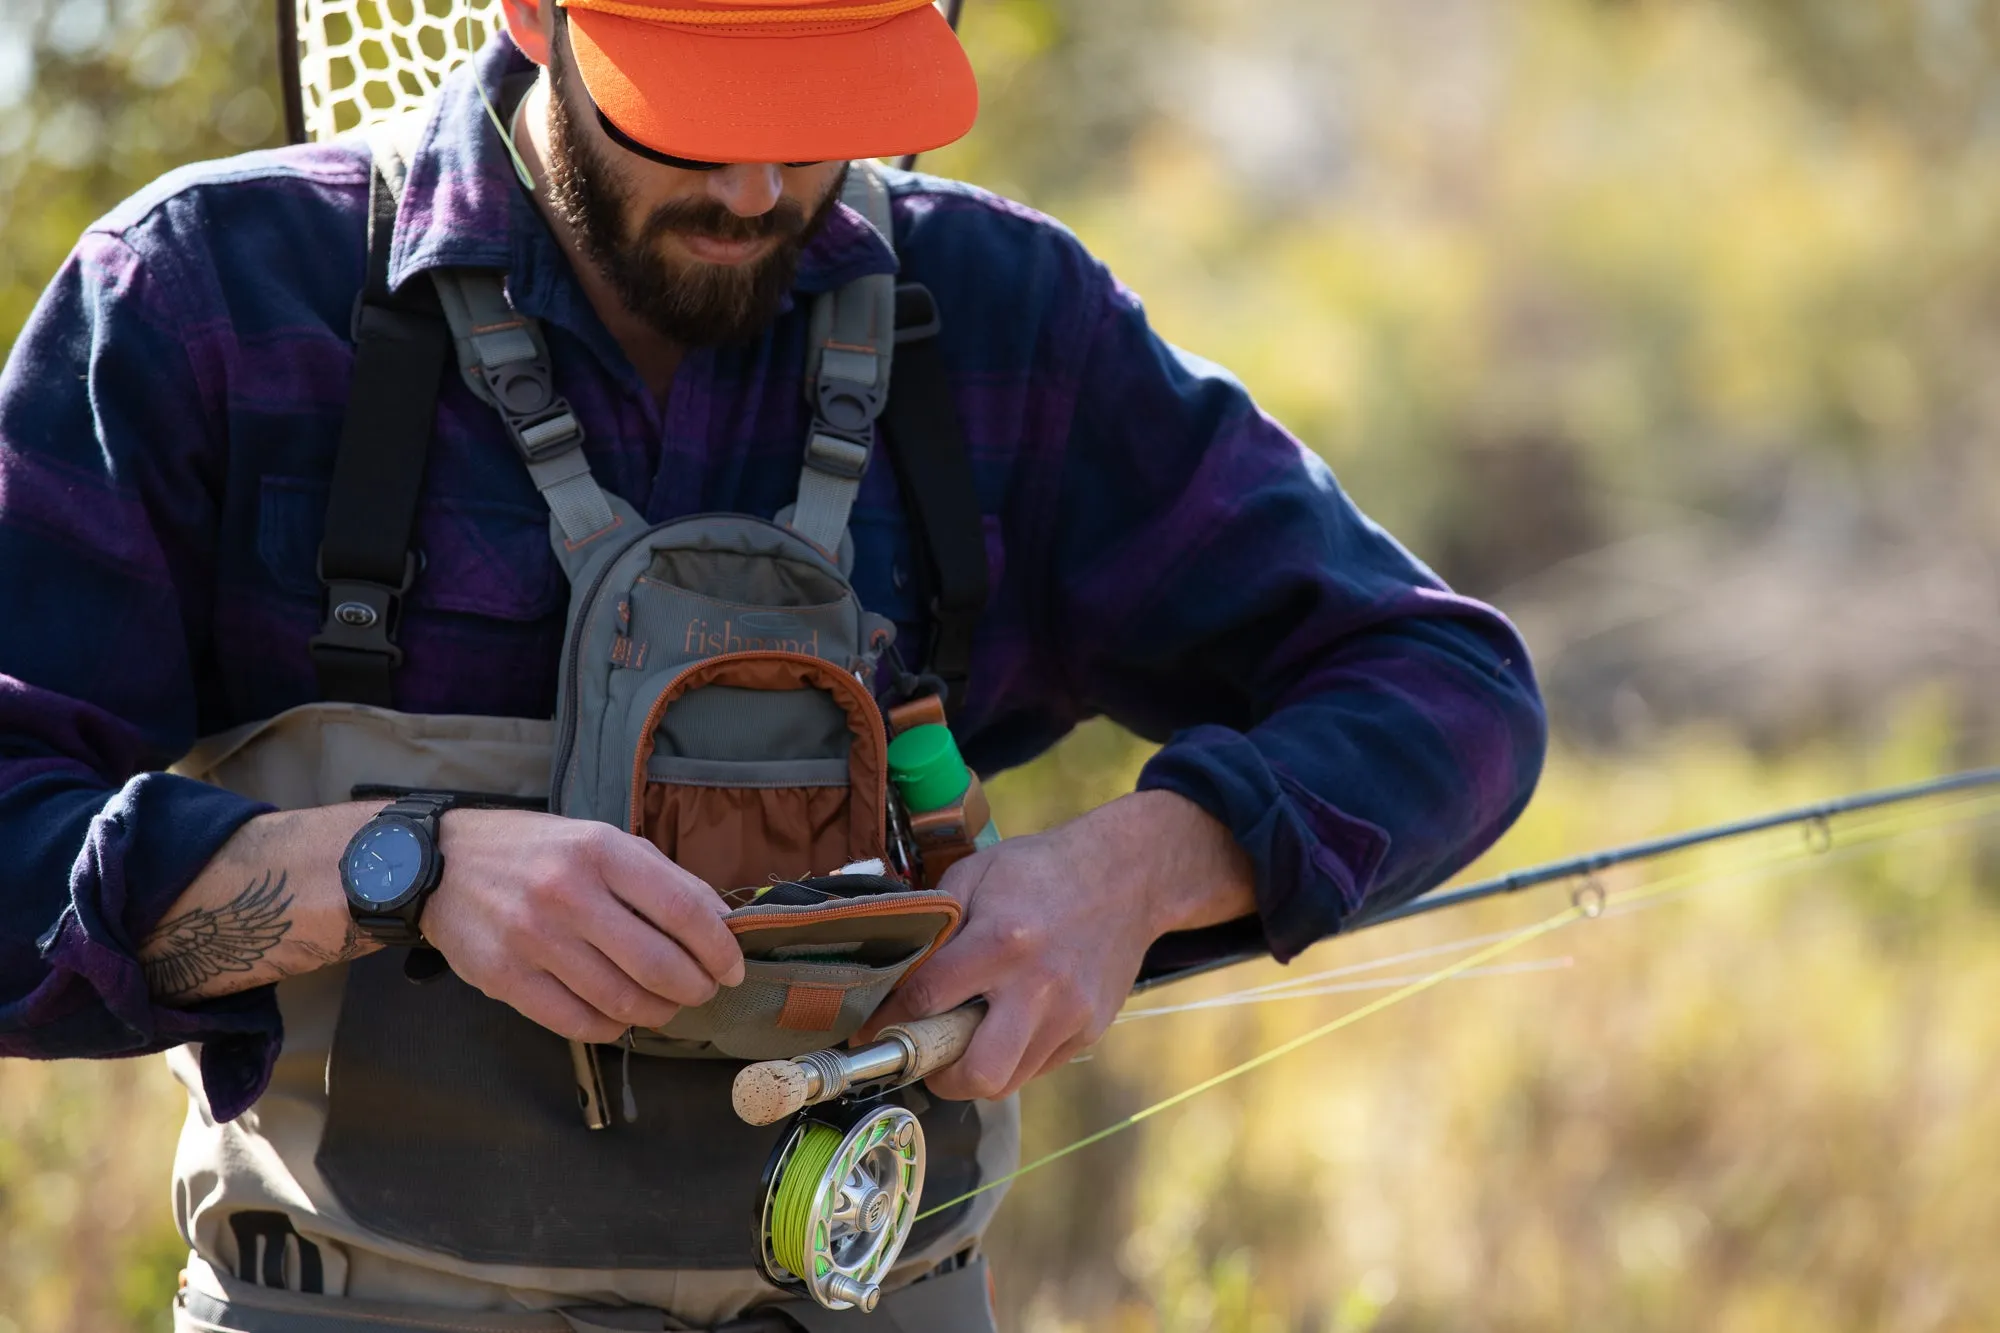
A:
[(839, 1197)]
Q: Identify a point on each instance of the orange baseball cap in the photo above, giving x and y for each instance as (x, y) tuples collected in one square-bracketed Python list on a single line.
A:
[(775, 80)]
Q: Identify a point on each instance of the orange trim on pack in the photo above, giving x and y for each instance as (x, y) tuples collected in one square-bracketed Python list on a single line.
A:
[(770, 669), (888, 904), (811, 1008)]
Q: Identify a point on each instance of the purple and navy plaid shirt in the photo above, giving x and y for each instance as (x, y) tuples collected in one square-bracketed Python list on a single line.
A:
[(1162, 553)]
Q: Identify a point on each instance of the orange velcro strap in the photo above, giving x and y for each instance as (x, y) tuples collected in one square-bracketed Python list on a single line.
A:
[(924, 710), (811, 1008)]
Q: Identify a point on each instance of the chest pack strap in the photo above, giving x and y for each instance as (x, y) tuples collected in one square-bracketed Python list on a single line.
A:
[(366, 563), (403, 341), (849, 350), (857, 334), (934, 472), (505, 362)]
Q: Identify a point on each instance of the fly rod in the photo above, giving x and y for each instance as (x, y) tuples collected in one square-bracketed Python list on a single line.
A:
[(1814, 816)]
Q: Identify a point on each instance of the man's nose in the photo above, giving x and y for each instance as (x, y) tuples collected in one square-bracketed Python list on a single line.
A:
[(747, 189)]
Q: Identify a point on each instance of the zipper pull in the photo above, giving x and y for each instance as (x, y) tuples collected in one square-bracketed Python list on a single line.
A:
[(625, 653)]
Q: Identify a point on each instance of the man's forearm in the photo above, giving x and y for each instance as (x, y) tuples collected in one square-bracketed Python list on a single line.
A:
[(1176, 865), (268, 906)]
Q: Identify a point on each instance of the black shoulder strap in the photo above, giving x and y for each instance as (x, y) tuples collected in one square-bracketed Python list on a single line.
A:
[(402, 351), (934, 471)]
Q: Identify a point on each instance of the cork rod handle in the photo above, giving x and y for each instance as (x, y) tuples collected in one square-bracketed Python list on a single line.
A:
[(767, 1092), (936, 1042)]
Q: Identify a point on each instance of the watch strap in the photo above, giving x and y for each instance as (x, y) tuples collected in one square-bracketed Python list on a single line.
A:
[(423, 807), (392, 929)]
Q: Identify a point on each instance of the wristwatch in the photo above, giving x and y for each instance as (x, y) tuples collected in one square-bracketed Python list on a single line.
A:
[(391, 867)]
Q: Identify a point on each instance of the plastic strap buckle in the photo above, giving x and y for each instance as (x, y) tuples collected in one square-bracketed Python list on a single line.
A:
[(837, 455), (916, 313), (850, 393), (539, 418), (362, 615), (549, 437)]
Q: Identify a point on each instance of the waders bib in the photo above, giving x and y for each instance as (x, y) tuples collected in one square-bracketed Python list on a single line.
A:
[(420, 1146)]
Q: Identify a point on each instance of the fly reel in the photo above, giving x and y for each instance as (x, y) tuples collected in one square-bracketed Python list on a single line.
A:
[(838, 1199)]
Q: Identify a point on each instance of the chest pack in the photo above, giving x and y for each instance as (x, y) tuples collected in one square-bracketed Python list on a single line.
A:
[(716, 691)]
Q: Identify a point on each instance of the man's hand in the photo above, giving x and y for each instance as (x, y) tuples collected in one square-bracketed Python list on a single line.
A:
[(1056, 926), (585, 929)]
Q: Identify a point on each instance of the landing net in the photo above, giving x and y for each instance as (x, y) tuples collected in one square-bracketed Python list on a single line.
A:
[(363, 61)]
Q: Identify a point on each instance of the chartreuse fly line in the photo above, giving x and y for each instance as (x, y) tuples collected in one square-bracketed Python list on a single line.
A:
[(1589, 900), (792, 1202)]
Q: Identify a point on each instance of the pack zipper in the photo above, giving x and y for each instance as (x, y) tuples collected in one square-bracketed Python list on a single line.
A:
[(572, 662)]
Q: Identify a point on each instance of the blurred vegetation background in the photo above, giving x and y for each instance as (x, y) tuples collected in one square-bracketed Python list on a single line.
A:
[(1669, 325)]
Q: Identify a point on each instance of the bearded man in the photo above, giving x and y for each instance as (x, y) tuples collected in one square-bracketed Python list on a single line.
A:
[(662, 189)]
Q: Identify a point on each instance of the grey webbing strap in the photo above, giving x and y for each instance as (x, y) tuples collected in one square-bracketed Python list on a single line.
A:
[(849, 348), (504, 361)]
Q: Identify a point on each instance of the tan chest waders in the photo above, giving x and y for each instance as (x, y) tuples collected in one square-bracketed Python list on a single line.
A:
[(715, 698)]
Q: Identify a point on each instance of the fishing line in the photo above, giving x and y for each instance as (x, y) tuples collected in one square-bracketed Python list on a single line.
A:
[(1588, 901), (1302, 988), (1340, 988), (791, 1210), (1352, 969), (1486, 955), (1297, 987)]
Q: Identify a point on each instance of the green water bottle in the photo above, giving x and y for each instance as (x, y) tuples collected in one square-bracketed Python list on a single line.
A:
[(949, 817)]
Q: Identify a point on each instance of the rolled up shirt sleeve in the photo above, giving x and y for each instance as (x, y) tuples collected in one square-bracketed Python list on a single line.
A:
[(1363, 731), (106, 463)]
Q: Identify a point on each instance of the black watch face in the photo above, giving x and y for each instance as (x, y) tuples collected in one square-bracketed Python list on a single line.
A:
[(385, 863)]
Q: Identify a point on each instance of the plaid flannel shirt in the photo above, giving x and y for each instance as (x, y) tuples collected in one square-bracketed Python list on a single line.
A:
[(1163, 553)]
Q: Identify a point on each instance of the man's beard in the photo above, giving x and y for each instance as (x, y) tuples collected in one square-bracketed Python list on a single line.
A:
[(692, 304)]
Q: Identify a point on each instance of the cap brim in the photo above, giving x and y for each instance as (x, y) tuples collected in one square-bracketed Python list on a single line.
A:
[(901, 86)]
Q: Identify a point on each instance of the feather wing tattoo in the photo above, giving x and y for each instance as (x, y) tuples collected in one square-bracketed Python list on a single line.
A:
[(202, 943)]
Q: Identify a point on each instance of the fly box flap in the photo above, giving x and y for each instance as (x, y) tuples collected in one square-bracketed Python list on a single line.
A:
[(819, 956)]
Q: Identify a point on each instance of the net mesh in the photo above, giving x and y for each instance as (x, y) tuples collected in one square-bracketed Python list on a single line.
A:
[(363, 61)]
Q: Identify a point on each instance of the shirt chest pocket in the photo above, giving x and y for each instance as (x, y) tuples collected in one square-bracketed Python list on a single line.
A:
[(476, 557)]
